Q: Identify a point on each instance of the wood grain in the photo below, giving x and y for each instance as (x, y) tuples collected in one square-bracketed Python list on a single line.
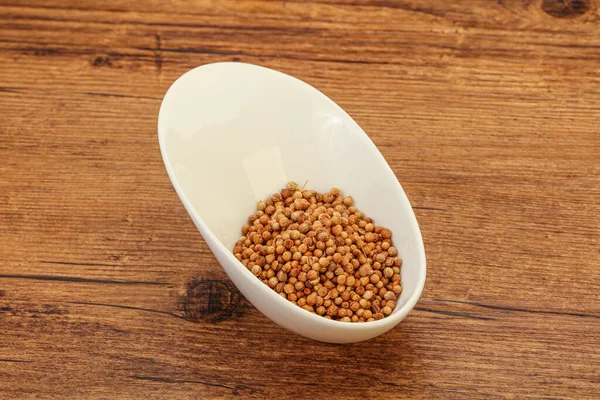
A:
[(487, 111)]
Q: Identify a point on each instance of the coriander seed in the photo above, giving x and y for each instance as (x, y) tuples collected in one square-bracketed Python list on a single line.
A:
[(321, 253)]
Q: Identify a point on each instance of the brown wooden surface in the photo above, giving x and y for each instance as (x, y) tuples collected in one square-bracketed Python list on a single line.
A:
[(488, 112)]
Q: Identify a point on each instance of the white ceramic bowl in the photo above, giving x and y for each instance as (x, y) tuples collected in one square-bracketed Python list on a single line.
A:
[(231, 134)]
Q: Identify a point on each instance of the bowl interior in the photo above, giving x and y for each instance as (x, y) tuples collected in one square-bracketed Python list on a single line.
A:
[(235, 133)]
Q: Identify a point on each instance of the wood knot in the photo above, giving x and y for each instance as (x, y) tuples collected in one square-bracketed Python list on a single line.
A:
[(210, 300), (565, 8), (102, 61)]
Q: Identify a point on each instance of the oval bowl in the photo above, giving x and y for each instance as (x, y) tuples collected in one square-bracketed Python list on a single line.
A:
[(232, 134)]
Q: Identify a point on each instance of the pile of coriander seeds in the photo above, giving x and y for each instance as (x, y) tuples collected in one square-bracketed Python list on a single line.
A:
[(322, 254)]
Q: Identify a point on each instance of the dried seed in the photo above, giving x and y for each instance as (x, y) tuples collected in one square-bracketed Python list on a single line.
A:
[(319, 252), (389, 296)]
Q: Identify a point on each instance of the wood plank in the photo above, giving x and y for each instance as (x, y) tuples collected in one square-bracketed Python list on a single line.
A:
[(488, 112)]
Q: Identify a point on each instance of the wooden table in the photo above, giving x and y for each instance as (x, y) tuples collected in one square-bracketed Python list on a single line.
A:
[(488, 112)]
